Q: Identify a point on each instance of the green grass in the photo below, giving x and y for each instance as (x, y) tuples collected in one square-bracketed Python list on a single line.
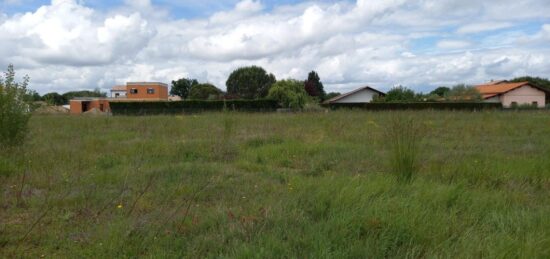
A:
[(243, 185)]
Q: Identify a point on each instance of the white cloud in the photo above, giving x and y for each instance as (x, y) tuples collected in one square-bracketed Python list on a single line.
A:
[(453, 44), (66, 45), (483, 27)]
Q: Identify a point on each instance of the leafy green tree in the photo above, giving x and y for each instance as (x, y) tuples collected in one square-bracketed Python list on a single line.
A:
[(205, 92), (54, 98), (332, 95), (400, 94), (536, 81), (289, 93), (15, 109), (441, 91), (314, 87), (464, 93), (74, 94), (33, 96), (182, 87), (250, 82)]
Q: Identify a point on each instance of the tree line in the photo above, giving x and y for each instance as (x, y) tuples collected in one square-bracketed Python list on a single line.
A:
[(254, 82)]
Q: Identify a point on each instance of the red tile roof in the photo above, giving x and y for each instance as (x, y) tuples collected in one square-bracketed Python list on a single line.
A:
[(494, 89)]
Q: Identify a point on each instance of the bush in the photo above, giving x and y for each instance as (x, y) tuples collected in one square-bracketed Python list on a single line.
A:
[(15, 109), (205, 92), (416, 106), (289, 93), (191, 106)]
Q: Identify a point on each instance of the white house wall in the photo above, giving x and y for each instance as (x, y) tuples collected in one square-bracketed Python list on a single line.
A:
[(364, 96)]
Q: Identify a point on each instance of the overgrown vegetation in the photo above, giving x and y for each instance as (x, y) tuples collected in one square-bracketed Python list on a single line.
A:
[(403, 135), (240, 185), (15, 109), (289, 93)]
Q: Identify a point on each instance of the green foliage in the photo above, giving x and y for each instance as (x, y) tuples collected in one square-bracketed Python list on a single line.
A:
[(536, 81), (379, 106), (332, 95), (314, 87), (74, 94), (289, 93), (55, 98), (250, 82), (14, 109), (205, 92), (441, 91), (399, 94), (182, 87), (403, 135), (191, 106), (463, 93), (251, 185)]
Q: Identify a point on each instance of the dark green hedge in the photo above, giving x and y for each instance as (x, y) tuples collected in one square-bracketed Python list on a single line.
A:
[(192, 106), (415, 106)]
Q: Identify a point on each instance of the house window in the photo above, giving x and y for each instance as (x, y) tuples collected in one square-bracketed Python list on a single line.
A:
[(150, 91), (535, 104), (514, 104), (117, 95), (133, 91)]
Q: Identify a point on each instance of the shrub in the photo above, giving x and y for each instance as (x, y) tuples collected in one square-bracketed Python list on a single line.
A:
[(14, 109), (289, 93), (205, 92), (403, 136)]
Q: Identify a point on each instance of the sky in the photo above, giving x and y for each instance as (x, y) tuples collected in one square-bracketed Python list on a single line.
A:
[(66, 45)]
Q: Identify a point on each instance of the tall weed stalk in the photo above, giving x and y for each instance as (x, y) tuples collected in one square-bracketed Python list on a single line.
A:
[(403, 136)]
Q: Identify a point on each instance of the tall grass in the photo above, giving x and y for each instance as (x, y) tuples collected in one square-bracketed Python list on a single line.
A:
[(403, 135), (242, 185)]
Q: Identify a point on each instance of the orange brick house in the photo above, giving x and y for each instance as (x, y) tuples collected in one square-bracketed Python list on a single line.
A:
[(131, 92)]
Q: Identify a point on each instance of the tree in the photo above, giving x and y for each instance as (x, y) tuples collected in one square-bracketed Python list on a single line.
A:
[(250, 82), (54, 99), (332, 95), (441, 91), (314, 86), (289, 93), (73, 94), (400, 94), (15, 109), (536, 81), (464, 92), (182, 87), (205, 92)]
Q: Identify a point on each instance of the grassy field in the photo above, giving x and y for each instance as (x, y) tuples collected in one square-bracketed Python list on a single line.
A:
[(277, 186)]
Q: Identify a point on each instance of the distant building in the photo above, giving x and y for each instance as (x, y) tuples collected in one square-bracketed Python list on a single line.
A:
[(362, 95), (513, 94), (119, 91), (131, 92)]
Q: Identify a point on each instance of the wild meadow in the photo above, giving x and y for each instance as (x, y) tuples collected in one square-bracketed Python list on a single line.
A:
[(342, 184)]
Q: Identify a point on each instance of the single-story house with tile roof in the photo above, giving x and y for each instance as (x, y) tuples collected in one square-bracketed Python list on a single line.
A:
[(362, 95), (514, 94)]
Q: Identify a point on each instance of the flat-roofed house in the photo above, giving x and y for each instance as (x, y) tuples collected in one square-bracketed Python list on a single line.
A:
[(131, 92), (513, 94), (362, 95)]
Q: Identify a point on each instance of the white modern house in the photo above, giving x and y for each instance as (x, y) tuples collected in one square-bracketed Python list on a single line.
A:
[(362, 95)]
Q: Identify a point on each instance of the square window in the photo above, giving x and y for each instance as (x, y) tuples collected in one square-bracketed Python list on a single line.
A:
[(150, 91), (134, 91)]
